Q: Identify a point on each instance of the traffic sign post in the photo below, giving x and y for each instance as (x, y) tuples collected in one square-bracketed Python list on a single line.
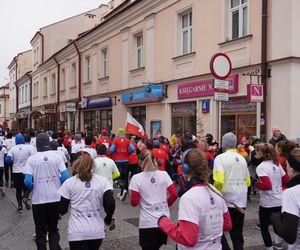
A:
[(220, 67)]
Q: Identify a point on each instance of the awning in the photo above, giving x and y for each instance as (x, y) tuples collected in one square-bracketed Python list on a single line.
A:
[(98, 103)]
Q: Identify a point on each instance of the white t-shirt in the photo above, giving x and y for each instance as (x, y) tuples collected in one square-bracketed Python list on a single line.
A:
[(271, 198), (104, 167), (45, 168), (291, 205), (77, 148), (1, 140), (92, 152), (3, 151), (9, 143), (86, 220), (152, 187), (74, 142), (19, 154), (61, 154), (33, 141), (235, 170), (204, 208), (64, 150)]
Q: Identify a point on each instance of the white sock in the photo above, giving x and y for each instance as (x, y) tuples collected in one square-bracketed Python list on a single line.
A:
[(277, 240)]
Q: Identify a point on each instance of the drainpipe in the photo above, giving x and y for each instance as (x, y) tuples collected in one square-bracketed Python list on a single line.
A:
[(30, 98), (79, 84), (57, 95), (264, 64), (17, 89)]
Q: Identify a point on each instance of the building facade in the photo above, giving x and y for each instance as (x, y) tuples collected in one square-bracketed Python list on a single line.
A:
[(4, 101), (151, 59)]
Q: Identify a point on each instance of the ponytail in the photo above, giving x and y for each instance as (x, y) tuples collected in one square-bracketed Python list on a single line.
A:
[(84, 166)]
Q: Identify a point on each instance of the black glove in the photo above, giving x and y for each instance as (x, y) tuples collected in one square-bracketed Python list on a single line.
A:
[(107, 220)]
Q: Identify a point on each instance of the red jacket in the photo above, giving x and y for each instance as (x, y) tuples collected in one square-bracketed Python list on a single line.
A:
[(106, 142), (161, 157), (120, 148), (67, 141), (165, 148), (133, 158)]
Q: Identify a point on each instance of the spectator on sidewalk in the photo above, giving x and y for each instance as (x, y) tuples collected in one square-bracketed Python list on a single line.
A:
[(277, 136)]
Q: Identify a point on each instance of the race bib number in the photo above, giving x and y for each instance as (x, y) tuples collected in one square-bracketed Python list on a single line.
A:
[(214, 223)]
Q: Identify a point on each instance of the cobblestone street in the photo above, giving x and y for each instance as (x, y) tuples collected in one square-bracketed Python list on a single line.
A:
[(16, 229)]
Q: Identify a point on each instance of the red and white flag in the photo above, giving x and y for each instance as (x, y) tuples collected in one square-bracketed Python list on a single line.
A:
[(134, 127)]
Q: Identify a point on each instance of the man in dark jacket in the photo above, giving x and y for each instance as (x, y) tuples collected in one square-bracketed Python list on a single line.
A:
[(277, 136)]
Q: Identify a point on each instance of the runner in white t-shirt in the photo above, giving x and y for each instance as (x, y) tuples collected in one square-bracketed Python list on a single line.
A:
[(149, 190), (105, 166), (8, 143), (203, 214), (2, 154), (89, 197), (44, 174), (17, 156), (286, 224), (271, 179)]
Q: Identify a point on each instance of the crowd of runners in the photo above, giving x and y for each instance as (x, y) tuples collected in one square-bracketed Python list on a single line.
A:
[(82, 174)]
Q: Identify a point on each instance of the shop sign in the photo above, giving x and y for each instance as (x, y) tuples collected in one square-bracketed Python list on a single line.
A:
[(255, 93), (49, 109), (151, 93), (205, 106), (184, 108), (97, 103), (71, 107), (204, 88), (238, 104)]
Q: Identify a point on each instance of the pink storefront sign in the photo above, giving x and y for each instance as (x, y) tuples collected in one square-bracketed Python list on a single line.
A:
[(204, 88)]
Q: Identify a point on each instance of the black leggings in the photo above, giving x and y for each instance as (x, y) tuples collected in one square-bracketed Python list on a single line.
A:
[(85, 244), (21, 190), (265, 221)]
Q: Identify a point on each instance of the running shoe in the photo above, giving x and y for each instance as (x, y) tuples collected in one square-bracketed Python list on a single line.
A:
[(26, 203), (257, 226), (20, 208), (123, 196), (2, 192), (112, 225), (277, 245)]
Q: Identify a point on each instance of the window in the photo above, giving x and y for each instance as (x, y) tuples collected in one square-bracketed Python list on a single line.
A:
[(238, 18), (139, 113), (73, 75), (23, 94), (53, 84), (63, 80), (45, 87), (34, 56), (87, 69), (139, 50), (186, 32), (37, 54), (26, 93), (104, 53)]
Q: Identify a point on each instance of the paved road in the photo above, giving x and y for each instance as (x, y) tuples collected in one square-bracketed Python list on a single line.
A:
[(16, 229)]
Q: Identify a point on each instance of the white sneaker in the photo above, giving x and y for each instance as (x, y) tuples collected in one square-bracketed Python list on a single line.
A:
[(277, 245), (119, 195), (123, 196)]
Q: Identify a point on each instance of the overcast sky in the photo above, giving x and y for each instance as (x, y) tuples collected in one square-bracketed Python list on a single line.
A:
[(21, 19)]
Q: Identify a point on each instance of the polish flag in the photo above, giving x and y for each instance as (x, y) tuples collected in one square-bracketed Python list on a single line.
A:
[(134, 127)]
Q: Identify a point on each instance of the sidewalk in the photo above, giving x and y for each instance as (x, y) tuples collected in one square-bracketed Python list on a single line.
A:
[(16, 229)]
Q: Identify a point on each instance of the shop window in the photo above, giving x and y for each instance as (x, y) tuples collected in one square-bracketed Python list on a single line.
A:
[(238, 18), (241, 124), (139, 113), (184, 117), (98, 120)]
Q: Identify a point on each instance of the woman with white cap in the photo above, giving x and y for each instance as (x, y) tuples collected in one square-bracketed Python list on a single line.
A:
[(149, 190), (286, 224)]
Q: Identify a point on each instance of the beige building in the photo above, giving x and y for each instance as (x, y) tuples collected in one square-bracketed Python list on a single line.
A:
[(4, 101), (151, 59), (19, 66)]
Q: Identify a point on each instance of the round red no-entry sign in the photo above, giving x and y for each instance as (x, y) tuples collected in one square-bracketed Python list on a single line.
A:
[(220, 66)]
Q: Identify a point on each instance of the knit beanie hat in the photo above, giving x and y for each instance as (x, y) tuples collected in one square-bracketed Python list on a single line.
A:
[(77, 137), (42, 142), (275, 128), (229, 141), (121, 131), (53, 145)]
